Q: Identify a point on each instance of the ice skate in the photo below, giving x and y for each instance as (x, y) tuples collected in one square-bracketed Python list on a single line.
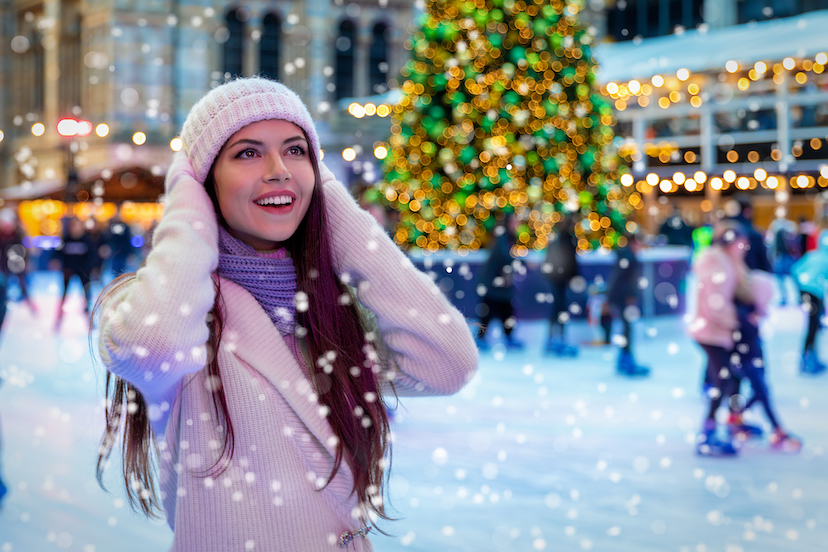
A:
[(513, 344), (559, 348), (709, 444), (811, 364), (737, 428), (782, 441), (627, 366)]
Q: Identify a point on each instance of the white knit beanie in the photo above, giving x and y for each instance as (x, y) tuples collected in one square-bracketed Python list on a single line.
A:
[(228, 108)]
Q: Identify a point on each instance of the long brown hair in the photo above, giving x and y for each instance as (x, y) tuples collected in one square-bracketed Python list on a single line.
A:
[(346, 382)]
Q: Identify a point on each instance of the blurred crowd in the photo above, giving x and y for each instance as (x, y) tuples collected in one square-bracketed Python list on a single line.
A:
[(736, 273), (90, 252)]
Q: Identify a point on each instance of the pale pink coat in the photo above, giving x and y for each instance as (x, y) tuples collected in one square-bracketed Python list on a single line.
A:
[(715, 319), (273, 497)]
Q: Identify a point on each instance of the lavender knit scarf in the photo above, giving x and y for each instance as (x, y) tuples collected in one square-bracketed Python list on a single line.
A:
[(272, 281)]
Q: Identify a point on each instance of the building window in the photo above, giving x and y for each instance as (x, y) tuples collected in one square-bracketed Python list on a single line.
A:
[(650, 18), (70, 57), (234, 46), (379, 59), (29, 84), (270, 46), (345, 48), (760, 10)]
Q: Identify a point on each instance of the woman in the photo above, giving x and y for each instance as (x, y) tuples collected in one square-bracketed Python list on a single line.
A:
[(731, 300), (239, 351)]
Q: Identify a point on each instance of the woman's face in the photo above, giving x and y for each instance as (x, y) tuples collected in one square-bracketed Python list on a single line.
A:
[(264, 182), (738, 249)]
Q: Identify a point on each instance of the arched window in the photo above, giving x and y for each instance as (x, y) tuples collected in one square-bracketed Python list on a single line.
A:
[(379, 59), (270, 46), (345, 48), (234, 46)]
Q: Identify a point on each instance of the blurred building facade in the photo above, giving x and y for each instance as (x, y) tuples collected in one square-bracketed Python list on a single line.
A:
[(719, 97), (712, 97), (138, 66)]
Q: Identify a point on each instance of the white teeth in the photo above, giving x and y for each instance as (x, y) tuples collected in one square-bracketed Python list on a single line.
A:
[(276, 200)]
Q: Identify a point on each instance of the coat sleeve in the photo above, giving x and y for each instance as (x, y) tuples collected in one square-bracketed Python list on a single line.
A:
[(433, 350), (153, 328), (716, 285)]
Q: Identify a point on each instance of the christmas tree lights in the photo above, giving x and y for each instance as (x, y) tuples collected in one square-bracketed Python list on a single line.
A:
[(500, 113)]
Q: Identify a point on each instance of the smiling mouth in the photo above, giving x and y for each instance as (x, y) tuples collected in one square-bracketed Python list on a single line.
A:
[(277, 205), (275, 201)]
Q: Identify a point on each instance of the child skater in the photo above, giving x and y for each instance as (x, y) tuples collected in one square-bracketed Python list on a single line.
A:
[(731, 299), (238, 353)]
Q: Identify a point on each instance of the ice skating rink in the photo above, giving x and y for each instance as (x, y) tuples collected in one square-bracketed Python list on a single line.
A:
[(536, 453)]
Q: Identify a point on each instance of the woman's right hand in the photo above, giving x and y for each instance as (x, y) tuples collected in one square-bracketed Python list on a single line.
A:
[(180, 168)]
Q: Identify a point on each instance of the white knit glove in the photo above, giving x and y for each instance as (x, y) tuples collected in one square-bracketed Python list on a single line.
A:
[(180, 168)]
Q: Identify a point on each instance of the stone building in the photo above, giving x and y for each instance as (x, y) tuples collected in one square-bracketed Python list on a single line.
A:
[(138, 66)]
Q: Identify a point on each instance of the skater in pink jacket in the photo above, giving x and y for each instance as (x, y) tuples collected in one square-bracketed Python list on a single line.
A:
[(254, 348)]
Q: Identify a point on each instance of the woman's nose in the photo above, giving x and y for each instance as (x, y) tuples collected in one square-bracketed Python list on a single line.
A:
[(276, 169)]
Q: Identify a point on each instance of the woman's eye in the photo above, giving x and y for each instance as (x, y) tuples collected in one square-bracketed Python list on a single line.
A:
[(296, 150), (246, 154)]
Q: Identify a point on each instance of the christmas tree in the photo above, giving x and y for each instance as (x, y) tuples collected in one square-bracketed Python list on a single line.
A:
[(500, 114)]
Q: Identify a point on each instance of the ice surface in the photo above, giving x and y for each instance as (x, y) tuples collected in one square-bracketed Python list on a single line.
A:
[(536, 453)]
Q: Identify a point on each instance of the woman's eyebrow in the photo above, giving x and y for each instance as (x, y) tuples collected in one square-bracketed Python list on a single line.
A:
[(245, 141), (259, 143), (294, 139)]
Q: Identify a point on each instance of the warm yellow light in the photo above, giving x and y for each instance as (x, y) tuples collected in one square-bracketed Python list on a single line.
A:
[(743, 183), (823, 170), (693, 88), (356, 110), (2, 135), (658, 81), (743, 84), (634, 86), (700, 177), (383, 110), (139, 138), (716, 183), (696, 101), (760, 67), (102, 130), (348, 154), (822, 58), (772, 182), (370, 109), (666, 186), (729, 176), (380, 152), (801, 78), (802, 181), (612, 88), (760, 174), (788, 63), (38, 129), (679, 178), (627, 179), (731, 66), (690, 185), (683, 74), (652, 179), (175, 144)]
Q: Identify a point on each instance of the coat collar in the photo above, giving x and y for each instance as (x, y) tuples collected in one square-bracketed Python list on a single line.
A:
[(250, 335)]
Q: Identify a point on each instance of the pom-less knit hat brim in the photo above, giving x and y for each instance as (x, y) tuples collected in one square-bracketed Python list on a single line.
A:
[(232, 106)]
